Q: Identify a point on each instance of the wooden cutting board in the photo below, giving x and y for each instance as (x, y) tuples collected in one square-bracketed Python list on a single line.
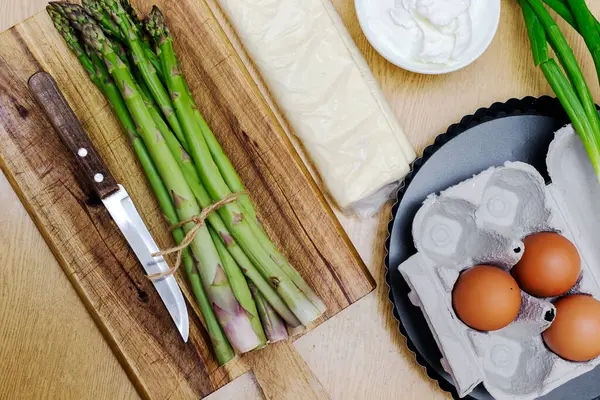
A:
[(90, 248)]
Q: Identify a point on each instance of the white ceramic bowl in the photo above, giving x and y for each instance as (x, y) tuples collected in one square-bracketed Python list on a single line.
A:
[(485, 25)]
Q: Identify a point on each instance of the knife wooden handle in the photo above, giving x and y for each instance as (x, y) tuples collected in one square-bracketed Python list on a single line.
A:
[(71, 131)]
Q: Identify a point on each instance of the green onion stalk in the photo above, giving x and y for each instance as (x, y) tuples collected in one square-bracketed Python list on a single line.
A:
[(562, 9), (230, 314), (588, 28), (577, 14)]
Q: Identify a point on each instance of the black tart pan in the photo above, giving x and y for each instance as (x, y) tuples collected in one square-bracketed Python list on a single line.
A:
[(517, 130)]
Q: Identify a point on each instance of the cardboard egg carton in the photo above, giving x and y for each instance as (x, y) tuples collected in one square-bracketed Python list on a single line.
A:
[(482, 221)]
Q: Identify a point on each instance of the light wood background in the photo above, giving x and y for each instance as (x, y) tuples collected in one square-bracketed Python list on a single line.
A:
[(51, 348)]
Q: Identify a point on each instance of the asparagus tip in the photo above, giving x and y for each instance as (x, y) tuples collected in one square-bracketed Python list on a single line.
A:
[(93, 8), (156, 25), (112, 6), (56, 7), (75, 13), (64, 28), (73, 8), (126, 4), (94, 37), (52, 10)]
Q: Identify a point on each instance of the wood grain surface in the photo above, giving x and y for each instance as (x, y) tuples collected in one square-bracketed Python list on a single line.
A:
[(358, 354), (92, 251)]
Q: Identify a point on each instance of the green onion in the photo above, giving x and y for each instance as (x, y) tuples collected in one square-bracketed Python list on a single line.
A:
[(562, 9), (588, 29), (574, 95), (537, 35), (568, 98)]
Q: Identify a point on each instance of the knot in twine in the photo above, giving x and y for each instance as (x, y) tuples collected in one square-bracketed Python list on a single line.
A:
[(199, 221)]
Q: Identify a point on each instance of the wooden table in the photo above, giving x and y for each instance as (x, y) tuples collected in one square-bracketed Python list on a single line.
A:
[(51, 348)]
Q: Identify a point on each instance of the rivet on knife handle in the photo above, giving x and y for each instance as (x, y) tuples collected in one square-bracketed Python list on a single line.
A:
[(71, 131)]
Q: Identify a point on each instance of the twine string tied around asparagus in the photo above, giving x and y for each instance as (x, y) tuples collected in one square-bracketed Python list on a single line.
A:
[(199, 221)]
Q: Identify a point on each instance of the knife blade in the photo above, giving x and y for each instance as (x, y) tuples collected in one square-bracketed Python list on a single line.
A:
[(114, 197)]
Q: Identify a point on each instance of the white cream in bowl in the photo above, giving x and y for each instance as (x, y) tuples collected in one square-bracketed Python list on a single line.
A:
[(429, 36)]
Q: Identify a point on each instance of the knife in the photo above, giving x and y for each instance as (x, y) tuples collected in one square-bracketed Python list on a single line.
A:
[(114, 196)]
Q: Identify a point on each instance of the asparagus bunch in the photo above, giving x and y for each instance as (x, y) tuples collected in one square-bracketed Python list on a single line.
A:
[(570, 86), (233, 215), (246, 290), (230, 313), (99, 75)]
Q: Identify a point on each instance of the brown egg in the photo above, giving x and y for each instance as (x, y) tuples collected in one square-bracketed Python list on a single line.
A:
[(575, 333), (486, 298), (549, 267)]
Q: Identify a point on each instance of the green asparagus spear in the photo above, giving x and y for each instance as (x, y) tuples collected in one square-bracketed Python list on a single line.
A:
[(143, 34), (187, 166), (68, 33), (133, 15), (233, 319), (74, 12), (271, 321), (221, 347), (122, 53), (92, 8), (239, 286), (285, 265), (149, 72), (232, 214), (227, 170)]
